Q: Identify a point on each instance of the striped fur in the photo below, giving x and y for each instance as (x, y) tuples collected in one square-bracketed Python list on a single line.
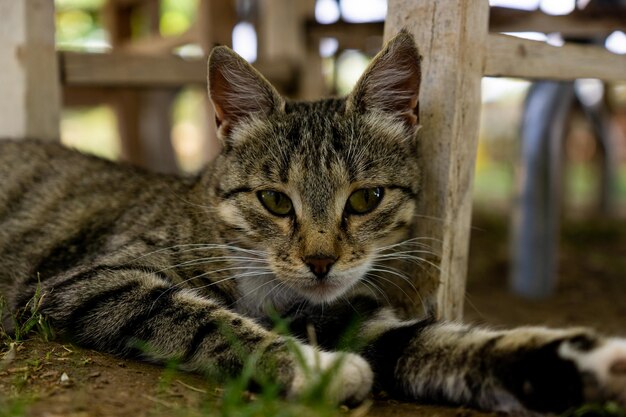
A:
[(167, 268)]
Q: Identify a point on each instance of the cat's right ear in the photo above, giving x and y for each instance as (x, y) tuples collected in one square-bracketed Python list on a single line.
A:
[(238, 91), (390, 84)]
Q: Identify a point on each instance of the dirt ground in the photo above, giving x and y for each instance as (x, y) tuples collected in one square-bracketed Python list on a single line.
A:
[(54, 379)]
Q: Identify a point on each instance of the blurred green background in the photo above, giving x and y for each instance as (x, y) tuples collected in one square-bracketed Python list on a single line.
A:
[(80, 27)]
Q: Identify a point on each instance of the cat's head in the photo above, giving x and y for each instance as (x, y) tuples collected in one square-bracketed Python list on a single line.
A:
[(320, 187)]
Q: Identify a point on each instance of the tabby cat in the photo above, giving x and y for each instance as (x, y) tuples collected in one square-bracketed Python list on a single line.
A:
[(302, 204)]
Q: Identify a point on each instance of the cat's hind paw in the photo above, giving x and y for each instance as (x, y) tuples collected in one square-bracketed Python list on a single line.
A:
[(604, 364), (343, 377)]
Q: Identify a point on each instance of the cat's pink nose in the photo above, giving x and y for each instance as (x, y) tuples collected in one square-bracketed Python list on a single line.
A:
[(320, 264)]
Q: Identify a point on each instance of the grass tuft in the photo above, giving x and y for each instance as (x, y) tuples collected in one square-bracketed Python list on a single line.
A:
[(609, 409), (26, 320)]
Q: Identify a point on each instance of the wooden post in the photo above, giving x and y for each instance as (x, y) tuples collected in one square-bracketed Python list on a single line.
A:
[(216, 20), (312, 85), (281, 33), (29, 76), (144, 120), (450, 35), (155, 127), (282, 37)]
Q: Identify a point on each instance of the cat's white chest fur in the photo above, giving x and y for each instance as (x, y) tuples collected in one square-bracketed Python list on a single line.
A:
[(263, 294)]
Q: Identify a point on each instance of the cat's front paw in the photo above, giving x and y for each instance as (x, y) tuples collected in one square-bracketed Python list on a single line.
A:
[(347, 377), (603, 366)]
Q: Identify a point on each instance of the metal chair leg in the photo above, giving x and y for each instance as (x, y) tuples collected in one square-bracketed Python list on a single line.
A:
[(598, 115), (537, 218)]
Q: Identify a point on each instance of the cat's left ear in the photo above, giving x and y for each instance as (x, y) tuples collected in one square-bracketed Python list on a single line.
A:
[(238, 91), (391, 82)]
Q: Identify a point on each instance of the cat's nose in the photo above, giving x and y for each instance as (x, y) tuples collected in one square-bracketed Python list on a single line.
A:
[(320, 264)]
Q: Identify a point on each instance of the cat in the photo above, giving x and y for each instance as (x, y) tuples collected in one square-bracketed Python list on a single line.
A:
[(290, 220)]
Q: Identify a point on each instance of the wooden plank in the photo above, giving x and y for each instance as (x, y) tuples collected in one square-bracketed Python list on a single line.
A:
[(577, 23), (116, 16), (157, 44), (311, 83), (450, 35), (509, 56), (88, 96), (30, 105), (349, 35), (216, 20), (214, 26), (501, 19), (155, 127), (282, 37), (143, 117), (134, 70), (120, 69), (280, 30)]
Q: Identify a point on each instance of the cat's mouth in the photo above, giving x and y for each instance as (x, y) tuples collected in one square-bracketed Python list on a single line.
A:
[(324, 287), (328, 289)]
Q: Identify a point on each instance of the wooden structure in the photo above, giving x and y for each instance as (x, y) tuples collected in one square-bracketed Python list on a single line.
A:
[(453, 37), (30, 100), (458, 50)]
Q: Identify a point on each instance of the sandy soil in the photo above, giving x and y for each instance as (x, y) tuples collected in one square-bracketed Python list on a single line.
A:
[(62, 380)]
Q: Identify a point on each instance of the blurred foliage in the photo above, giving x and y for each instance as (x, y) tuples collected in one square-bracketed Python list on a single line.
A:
[(92, 130), (73, 25), (176, 16), (349, 67), (190, 121), (493, 185), (79, 25)]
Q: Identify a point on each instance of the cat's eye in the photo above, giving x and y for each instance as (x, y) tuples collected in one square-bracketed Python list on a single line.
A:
[(275, 202), (364, 200)]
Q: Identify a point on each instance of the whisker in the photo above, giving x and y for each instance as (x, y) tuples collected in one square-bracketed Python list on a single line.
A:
[(232, 277), (417, 241), (201, 261), (404, 292), (387, 255), (369, 283), (200, 246), (414, 259), (260, 286), (181, 283), (424, 216), (395, 272)]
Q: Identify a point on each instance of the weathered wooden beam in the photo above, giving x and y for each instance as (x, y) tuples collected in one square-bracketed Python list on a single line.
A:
[(349, 35), (88, 96), (450, 35), (577, 23), (216, 20), (509, 56), (30, 104), (501, 19), (156, 44), (134, 70), (130, 70), (282, 37)]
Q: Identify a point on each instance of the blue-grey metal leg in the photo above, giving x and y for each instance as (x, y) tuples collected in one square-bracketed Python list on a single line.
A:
[(536, 219), (599, 118)]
